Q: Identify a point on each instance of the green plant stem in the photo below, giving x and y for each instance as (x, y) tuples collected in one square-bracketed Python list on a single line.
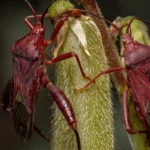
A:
[(92, 107), (109, 45)]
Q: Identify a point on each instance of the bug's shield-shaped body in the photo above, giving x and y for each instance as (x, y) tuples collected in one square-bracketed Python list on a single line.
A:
[(25, 67), (137, 62)]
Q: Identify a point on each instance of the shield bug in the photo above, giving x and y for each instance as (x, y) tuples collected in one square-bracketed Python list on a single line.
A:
[(136, 59), (29, 75)]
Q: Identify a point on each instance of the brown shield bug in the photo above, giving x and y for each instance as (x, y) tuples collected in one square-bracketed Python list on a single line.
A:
[(137, 66), (29, 75)]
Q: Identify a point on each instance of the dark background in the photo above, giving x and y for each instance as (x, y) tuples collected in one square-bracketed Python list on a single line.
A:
[(12, 27)]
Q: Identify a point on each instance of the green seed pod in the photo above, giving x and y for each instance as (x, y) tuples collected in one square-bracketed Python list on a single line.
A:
[(92, 107), (139, 32), (59, 7)]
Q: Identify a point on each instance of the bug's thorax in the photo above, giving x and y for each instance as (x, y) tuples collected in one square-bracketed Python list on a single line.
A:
[(135, 53), (32, 45)]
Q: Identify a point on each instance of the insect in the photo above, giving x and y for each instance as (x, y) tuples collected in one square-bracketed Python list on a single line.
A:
[(29, 75), (137, 67)]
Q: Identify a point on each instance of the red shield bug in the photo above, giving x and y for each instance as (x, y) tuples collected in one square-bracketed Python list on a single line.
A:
[(29, 75), (136, 58)]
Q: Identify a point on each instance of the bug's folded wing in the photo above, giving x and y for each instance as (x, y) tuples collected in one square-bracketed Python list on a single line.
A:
[(139, 85)]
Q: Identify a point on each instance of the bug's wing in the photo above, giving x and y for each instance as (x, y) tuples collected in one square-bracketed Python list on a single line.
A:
[(140, 91), (25, 53), (25, 84)]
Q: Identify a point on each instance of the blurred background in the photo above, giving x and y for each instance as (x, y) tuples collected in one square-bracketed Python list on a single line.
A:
[(12, 28)]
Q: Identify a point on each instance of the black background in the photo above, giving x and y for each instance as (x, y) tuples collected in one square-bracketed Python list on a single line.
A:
[(12, 27)]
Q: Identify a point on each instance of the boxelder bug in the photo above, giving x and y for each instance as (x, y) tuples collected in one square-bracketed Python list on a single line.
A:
[(136, 58), (29, 75)]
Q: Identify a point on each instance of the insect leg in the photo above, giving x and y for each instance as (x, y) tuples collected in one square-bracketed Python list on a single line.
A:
[(64, 105), (125, 114), (41, 134), (56, 29), (28, 23), (102, 73), (66, 56), (35, 16), (128, 30), (60, 24), (7, 95)]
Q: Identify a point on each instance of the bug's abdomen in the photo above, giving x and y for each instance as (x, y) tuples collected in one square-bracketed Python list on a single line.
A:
[(22, 118), (27, 47)]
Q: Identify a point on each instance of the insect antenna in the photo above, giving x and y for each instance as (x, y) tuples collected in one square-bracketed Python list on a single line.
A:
[(118, 29), (128, 30), (81, 10), (45, 11), (33, 11)]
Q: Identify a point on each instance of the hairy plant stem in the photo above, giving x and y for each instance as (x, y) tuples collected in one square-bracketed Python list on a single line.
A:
[(109, 45), (92, 107)]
